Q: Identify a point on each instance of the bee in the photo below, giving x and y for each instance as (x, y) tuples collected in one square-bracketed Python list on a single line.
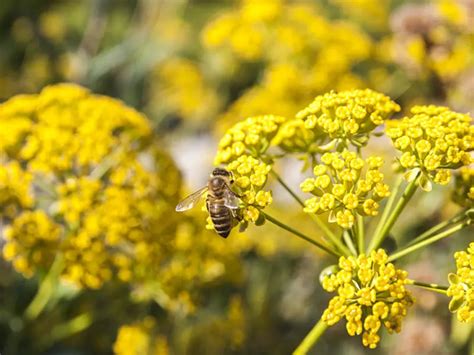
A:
[(221, 202)]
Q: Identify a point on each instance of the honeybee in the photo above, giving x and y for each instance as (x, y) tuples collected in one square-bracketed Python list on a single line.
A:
[(221, 202)]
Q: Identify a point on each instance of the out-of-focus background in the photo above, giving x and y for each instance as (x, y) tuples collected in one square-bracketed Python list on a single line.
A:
[(194, 68)]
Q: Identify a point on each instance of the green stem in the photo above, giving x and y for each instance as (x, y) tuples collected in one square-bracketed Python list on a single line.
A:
[(311, 339), (394, 214), (427, 241), (437, 228), (428, 286), (360, 233), (388, 207), (301, 235), (67, 329), (349, 243), (326, 230), (45, 290)]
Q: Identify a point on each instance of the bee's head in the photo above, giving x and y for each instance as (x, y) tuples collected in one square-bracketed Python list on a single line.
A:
[(220, 172)]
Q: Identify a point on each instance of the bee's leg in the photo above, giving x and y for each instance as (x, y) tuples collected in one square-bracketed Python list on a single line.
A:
[(237, 215)]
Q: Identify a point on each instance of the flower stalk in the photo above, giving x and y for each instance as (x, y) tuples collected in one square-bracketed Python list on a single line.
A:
[(388, 206), (393, 216), (429, 286), (300, 235), (348, 240), (326, 230), (460, 216), (46, 289), (311, 339), (360, 233), (427, 241)]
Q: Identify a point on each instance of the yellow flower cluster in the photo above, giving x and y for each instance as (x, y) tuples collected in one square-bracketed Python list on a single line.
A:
[(461, 287), (433, 38), (250, 177), (15, 189), (463, 193), (432, 141), (180, 88), (348, 116), (370, 12), (82, 155), (304, 53), (342, 189), (103, 204), (252, 136), (371, 293), (137, 339), (32, 242), (294, 137)]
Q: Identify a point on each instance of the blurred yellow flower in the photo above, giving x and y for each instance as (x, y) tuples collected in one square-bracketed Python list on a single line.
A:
[(304, 54), (138, 339), (179, 87)]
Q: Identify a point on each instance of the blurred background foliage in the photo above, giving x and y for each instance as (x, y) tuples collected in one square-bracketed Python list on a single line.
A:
[(195, 67)]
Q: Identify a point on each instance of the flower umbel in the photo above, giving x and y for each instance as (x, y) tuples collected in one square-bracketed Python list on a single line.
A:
[(348, 116), (249, 137), (371, 294), (461, 287), (342, 189), (433, 140)]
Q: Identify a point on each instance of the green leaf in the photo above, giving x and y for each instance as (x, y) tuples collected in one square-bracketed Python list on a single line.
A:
[(455, 304), (425, 183), (453, 279), (410, 175)]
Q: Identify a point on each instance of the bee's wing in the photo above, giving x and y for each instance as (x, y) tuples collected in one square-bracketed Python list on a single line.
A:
[(191, 201), (231, 200)]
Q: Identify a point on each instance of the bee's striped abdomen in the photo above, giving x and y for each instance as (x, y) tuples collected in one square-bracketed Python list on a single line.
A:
[(221, 216)]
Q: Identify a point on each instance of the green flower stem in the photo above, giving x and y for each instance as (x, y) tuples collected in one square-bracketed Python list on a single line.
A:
[(394, 214), (71, 327), (301, 235), (45, 290), (388, 208), (428, 286), (360, 233), (326, 230), (311, 339), (437, 228), (348, 240), (427, 241)]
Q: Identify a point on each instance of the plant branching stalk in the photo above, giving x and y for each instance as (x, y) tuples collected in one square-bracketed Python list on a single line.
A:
[(360, 233), (311, 339), (437, 228), (388, 208), (427, 241), (431, 287), (301, 235), (45, 290), (394, 214), (326, 230), (349, 243)]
